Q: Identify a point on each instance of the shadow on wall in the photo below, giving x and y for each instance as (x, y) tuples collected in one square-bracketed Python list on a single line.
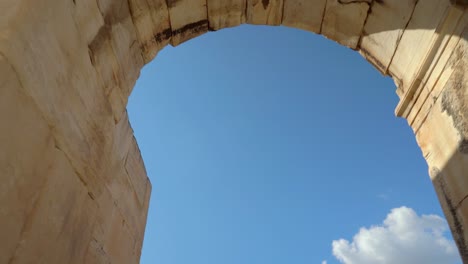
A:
[(451, 179)]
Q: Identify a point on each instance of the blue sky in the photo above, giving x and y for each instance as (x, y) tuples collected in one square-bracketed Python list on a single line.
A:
[(266, 144)]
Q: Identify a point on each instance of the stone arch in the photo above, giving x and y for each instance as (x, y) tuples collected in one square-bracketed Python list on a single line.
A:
[(73, 184)]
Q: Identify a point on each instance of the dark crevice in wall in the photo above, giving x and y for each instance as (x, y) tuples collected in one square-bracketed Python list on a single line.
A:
[(369, 11), (399, 39), (324, 12), (194, 27)]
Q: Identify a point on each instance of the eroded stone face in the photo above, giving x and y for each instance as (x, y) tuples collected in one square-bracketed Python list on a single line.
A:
[(455, 96), (68, 67)]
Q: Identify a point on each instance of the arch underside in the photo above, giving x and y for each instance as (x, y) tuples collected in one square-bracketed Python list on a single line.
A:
[(73, 185)]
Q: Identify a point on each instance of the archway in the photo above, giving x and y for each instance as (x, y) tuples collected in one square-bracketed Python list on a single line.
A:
[(71, 167), (265, 144)]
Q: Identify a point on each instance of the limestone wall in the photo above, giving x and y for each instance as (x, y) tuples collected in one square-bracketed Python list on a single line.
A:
[(73, 187)]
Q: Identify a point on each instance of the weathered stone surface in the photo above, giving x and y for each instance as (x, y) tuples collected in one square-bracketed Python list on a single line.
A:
[(68, 180), (22, 170), (438, 116), (224, 14), (446, 58), (304, 14), (383, 30), (343, 21), (74, 187), (264, 12), (427, 17), (189, 19), (151, 19)]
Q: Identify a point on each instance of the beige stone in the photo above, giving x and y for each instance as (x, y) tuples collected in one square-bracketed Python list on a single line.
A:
[(73, 184), (426, 18), (343, 21), (383, 31), (305, 14), (264, 12), (224, 14), (151, 19), (189, 19)]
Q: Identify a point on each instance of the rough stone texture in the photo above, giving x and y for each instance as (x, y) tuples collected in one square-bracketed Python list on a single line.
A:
[(188, 19), (151, 19), (264, 12), (227, 13), (343, 21), (428, 18), (304, 14), (383, 31), (73, 184)]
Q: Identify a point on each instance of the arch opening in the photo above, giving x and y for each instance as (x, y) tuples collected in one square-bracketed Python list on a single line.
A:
[(173, 106)]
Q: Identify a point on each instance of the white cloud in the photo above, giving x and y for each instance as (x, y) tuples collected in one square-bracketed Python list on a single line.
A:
[(403, 238), (324, 262)]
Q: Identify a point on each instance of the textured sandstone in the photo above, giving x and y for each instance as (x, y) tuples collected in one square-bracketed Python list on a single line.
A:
[(264, 12), (151, 19), (304, 14), (383, 31), (188, 19), (73, 184), (224, 14), (427, 18), (343, 21)]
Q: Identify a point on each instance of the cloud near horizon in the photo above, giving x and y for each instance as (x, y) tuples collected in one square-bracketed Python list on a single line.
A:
[(403, 238)]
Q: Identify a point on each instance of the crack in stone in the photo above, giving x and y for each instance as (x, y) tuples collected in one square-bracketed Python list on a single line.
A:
[(140, 41), (400, 37), (208, 17), (323, 16), (369, 11), (195, 27), (169, 16), (282, 12), (460, 203)]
